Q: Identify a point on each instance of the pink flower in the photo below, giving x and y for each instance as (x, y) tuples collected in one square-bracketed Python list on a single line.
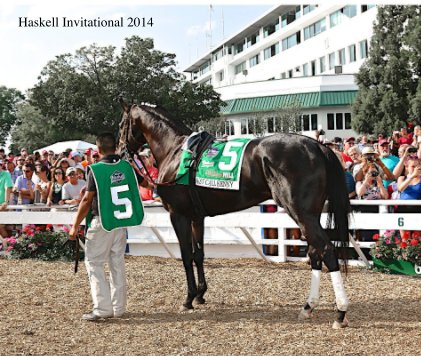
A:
[(387, 241), (9, 248), (65, 228)]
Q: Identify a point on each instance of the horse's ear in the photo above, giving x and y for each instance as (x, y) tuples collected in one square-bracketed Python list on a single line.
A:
[(123, 104)]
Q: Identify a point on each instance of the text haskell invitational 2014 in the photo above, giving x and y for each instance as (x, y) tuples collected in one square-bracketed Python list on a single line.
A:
[(56, 21)]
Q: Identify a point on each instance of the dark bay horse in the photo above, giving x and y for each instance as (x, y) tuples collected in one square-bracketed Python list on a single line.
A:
[(296, 171)]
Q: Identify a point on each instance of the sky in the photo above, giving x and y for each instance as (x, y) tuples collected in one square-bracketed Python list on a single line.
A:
[(188, 30)]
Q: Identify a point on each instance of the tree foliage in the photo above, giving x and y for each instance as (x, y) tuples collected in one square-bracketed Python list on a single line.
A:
[(76, 93), (388, 80), (9, 99)]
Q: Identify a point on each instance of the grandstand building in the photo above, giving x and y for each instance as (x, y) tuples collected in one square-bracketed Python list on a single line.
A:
[(300, 57)]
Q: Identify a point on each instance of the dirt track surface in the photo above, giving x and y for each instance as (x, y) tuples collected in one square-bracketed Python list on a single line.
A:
[(251, 309)]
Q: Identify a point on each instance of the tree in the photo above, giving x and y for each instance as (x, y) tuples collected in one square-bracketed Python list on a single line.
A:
[(386, 81), (9, 99), (80, 91)]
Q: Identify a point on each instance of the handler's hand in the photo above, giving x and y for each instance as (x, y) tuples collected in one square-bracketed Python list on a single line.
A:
[(72, 233)]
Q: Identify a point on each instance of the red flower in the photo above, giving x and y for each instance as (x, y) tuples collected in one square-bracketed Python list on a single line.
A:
[(49, 226), (37, 228), (376, 236), (416, 234), (404, 244), (406, 235), (413, 242), (397, 241)]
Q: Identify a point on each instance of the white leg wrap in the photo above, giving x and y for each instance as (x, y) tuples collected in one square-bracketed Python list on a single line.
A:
[(338, 287), (313, 298)]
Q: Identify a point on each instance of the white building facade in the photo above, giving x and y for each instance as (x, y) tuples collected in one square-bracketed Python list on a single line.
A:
[(306, 55)]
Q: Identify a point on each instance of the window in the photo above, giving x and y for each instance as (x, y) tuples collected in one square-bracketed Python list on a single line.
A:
[(363, 49), (341, 56), (238, 48), (271, 28), (352, 56), (308, 8), (240, 67), (251, 40), (220, 75), (283, 75), (339, 122), (313, 68), (218, 54), (336, 121), (229, 127), (291, 41), (290, 73), (290, 16), (270, 121), (348, 121), (330, 121), (309, 122), (271, 51), (331, 60), (338, 16), (305, 69), (314, 29), (254, 61), (204, 68), (322, 62), (365, 8)]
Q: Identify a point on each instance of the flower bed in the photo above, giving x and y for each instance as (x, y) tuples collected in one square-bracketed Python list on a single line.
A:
[(39, 242), (398, 254)]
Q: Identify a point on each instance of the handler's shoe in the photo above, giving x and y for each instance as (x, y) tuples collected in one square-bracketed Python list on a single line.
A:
[(93, 317)]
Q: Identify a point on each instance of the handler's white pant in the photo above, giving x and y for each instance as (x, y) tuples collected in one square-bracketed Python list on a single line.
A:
[(106, 247)]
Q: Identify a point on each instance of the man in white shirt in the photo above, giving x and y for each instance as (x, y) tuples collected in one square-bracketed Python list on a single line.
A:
[(71, 191)]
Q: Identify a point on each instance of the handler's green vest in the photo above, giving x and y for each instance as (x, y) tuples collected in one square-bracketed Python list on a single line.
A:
[(119, 202)]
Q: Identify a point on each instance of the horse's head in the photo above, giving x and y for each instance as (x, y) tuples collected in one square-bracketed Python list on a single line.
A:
[(130, 138)]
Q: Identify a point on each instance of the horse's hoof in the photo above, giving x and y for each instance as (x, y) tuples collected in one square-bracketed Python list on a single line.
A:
[(305, 314), (200, 300), (340, 325), (186, 308)]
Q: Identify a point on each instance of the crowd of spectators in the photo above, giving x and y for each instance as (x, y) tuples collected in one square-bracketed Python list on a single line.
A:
[(381, 168)]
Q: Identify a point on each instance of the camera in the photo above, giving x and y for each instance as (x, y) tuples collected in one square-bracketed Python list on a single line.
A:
[(412, 150), (374, 174), (370, 158)]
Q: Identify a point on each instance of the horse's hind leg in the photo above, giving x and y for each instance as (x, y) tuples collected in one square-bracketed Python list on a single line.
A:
[(313, 298), (183, 229), (198, 257)]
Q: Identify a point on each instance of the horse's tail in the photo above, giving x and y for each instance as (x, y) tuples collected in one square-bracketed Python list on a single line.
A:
[(339, 207)]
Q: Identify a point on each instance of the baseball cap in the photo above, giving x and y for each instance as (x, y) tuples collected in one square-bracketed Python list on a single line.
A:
[(70, 170), (350, 139), (44, 152), (369, 151), (88, 151), (383, 141), (80, 166), (76, 154)]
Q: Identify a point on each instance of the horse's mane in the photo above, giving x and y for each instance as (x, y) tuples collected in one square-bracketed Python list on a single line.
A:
[(163, 116)]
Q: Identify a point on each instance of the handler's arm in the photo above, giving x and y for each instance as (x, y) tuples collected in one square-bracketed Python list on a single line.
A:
[(82, 211)]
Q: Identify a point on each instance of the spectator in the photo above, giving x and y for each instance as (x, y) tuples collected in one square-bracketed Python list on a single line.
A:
[(56, 186), (405, 137), (349, 142), (51, 158), (369, 155), (80, 171), (24, 153), (6, 186), (355, 154), (417, 136), (148, 160), (77, 157), (71, 191), (87, 158), (24, 187), (42, 186), (20, 161), (36, 156), (95, 157), (29, 160), (338, 143), (404, 152), (370, 188), (44, 159), (363, 142), (389, 160), (2, 154), (11, 168), (63, 163)]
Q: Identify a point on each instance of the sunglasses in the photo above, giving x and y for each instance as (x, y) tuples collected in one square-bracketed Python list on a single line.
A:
[(27, 171), (71, 174), (58, 172)]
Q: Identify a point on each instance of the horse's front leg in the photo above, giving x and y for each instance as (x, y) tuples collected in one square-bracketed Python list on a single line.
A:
[(182, 227), (198, 257)]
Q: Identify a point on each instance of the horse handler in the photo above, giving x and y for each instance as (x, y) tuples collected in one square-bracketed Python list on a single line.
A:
[(110, 204)]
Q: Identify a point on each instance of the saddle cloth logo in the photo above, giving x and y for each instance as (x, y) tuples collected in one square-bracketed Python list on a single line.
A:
[(219, 167), (117, 176)]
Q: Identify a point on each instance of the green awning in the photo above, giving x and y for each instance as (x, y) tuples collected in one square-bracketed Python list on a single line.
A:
[(302, 100)]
